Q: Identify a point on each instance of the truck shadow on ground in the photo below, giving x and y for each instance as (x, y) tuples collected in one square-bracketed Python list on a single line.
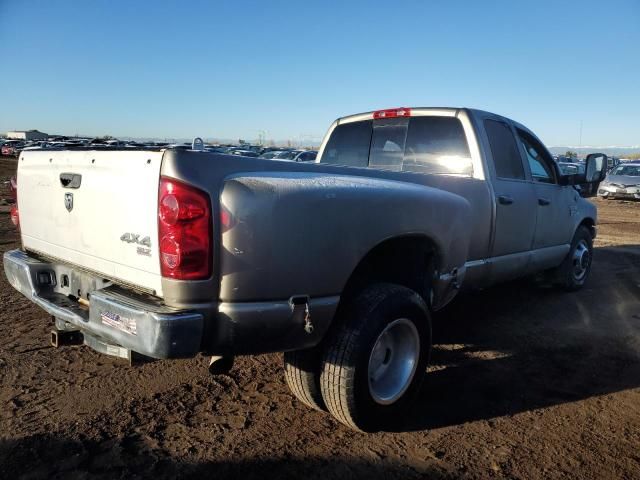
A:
[(517, 347), (50, 456)]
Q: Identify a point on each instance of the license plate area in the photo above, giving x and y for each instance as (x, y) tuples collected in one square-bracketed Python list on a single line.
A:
[(59, 278)]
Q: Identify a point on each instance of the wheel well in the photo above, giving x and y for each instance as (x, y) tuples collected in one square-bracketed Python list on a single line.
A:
[(590, 224), (410, 261)]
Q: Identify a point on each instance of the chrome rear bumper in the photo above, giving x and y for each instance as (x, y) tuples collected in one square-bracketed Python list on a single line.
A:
[(113, 317)]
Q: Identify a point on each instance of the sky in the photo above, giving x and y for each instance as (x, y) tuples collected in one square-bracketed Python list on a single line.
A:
[(286, 70)]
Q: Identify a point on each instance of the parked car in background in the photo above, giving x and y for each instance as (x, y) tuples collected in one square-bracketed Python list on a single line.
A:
[(36, 145), (622, 182), (269, 154), (12, 148), (180, 146), (571, 168), (613, 162), (565, 159), (273, 152), (244, 153), (287, 154), (306, 156)]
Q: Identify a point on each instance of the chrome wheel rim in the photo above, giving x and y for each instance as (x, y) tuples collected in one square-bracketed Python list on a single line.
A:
[(581, 260), (393, 361)]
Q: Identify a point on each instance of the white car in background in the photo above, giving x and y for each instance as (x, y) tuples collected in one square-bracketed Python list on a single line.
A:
[(622, 182)]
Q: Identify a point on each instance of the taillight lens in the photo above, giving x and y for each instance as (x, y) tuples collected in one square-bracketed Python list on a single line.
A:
[(15, 217), (184, 230), (392, 113)]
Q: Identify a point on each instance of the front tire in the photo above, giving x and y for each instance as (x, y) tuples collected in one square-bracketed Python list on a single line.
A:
[(375, 361), (572, 274)]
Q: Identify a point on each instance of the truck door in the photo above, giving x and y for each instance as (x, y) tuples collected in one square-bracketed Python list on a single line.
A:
[(515, 201), (555, 203)]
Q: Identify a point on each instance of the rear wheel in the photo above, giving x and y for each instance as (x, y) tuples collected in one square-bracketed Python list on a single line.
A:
[(302, 373), (374, 363)]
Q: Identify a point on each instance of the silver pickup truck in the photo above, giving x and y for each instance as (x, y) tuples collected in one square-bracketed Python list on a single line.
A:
[(339, 263)]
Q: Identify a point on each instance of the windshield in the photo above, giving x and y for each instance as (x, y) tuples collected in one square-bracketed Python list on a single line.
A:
[(430, 144), (628, 170)]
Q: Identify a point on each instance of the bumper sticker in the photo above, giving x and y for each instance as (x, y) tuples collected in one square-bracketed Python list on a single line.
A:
[(127, 325)]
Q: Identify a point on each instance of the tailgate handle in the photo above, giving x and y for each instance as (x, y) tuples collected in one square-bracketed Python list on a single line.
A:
[(70, 180)]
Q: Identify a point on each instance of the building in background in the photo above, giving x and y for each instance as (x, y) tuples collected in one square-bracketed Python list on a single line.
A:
[(27, 135)]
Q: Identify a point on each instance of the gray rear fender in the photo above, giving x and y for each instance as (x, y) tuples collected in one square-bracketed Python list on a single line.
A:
[(302, 233)]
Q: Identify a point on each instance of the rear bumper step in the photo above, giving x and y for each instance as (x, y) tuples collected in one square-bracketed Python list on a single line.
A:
[(112, 319)]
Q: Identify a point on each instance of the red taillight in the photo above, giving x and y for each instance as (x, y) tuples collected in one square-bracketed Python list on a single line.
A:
[(392, 113), (184, 231), (15, 217)]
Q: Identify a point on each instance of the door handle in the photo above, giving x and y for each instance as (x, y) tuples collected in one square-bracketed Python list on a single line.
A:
[(543, 202), (505, 199)]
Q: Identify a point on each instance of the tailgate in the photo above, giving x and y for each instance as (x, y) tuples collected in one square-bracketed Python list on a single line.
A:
[(104, 219)]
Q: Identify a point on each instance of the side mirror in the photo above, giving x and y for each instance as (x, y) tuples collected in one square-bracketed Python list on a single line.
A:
[(595, 167), (595, 170)]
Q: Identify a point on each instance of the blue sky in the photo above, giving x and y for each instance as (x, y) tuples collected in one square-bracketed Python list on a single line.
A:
[(231, 69)]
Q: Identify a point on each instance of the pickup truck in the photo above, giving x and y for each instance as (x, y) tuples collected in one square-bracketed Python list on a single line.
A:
[(171, 253)]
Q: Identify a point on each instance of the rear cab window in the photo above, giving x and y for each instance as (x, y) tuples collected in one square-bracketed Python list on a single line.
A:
[(349, 145), (422, 144)]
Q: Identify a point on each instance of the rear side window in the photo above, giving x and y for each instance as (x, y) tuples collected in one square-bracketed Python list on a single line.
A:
[(504, 150), (349, 145), (435, 145)]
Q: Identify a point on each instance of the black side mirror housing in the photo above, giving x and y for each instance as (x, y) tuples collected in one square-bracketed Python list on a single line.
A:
[(595, 167), (595, 170)]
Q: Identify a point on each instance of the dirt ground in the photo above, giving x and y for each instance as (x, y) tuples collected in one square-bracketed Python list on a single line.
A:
[(524, 383)]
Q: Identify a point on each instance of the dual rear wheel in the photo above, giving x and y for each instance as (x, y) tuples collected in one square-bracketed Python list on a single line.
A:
[(370, 367)]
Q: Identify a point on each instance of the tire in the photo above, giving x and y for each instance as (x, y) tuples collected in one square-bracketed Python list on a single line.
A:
[(350, 389), (302, 373), (574, 271)]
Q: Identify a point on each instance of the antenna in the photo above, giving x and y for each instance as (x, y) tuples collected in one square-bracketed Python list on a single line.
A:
[(580, 144)]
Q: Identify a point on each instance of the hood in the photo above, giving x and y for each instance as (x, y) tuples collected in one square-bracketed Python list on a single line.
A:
[(623, 179)]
